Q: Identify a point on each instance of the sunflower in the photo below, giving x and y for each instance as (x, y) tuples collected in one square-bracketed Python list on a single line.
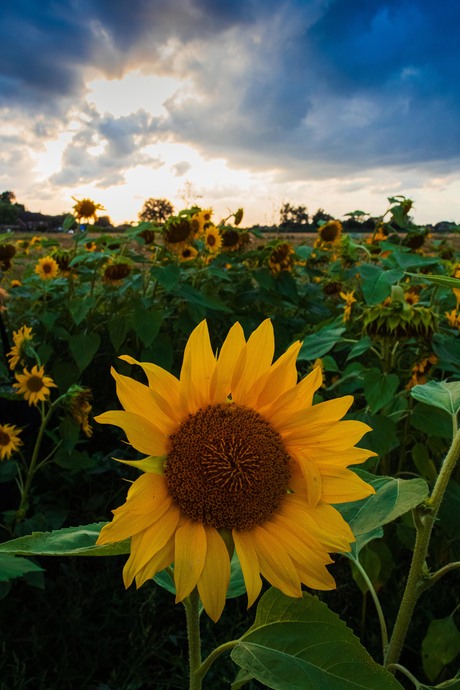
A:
[(86, 209), (177, 233), (202, 219), (90, 246), (47, 268), (237, 458), (349, 301), (330, 232), (9, 440), (34, 385), (115, 272), (79, 405), (20, 339), (281, 258), (188, 253), (15, 283), (212, 239)]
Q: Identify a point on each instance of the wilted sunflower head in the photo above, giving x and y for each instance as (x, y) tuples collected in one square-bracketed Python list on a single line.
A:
[(178, 232), (148, 235), (399, 319), (63, 258), (330, 231), (79, 405), (9, 440), (47, 268), (115, 271), (86, 209), (237, 458), (7, 251)]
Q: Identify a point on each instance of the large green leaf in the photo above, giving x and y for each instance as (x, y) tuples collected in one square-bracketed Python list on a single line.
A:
[(319, 343), (147, 324), (11, 567), (443, 394), (296, 644), (376, 283), (392, 498), (83, 347), (440, 646), (194, 297), (379, 388), (69, 541)]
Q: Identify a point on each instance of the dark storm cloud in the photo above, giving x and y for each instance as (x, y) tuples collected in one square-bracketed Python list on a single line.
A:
[(372, 82)]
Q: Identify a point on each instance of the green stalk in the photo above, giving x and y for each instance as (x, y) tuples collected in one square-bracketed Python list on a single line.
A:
[(192, 612), (373, 593), (415, 580)]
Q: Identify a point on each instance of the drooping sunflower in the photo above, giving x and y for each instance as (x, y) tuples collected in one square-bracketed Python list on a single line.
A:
[(34, 385), (47, 268), (281, 258), (115, 271), (79, 405), (237, 458), (20, 338), (178, 232), (212, 239)]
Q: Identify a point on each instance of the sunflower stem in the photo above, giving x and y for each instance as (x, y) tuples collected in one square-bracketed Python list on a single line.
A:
[(192, 612), (417, 573), (373, 593)]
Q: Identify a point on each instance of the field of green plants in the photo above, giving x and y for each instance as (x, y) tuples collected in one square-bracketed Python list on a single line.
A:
[(378, 319)]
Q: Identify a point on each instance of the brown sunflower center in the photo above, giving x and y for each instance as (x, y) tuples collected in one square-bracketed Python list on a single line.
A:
[(35, 384), (47, 268), (227, 467), (211, 240), (4, 438)]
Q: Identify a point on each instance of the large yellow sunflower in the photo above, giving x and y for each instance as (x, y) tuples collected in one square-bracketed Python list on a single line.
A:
[(34, 385), (212, 239), (20, 339), (237, 458), (9, 440), (47, 268)]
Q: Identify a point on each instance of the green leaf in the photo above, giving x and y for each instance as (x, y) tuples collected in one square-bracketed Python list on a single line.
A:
[(440, 646), (360, 347), (443, 394), (167, 276), (383, 437), (392, 498), (410, 260), (447, 350), (379, 388), (69, 541), (118, 329), (442, 281), (376, 283), (422, 461), (431, 421), (83, 347), (147, 324), (296, 644), (8, 470), (79, 308), (11, 567), (195, 297), (319, 343)]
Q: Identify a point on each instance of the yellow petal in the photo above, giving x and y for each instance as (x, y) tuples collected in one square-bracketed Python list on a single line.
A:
[(190, 555), (254, 361), (160, 380), (342, 485), (232, 347), (324, 523), (312, 478), (128, 523), (351, 456), (296, 398), (160, 561), (322, 413), (281, 377), (215, 577), (197, 369), (141, 434), (150, 464), (146, 545), (337, 436), (249, 563), (275, 563), (135, 397)]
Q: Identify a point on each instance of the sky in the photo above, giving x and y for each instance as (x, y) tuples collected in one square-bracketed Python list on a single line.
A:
[(332, 104)]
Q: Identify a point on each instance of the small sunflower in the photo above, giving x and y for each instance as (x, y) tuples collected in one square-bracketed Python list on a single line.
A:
[(15, 283), (281, 258), (9, 440), (20, 338), (349, 301), (79, 405), (90, 246), (212, 239), (34, 385), (237, 458), (86, 209), (188, 253), (47, 268), (202, 220), (330, 232)]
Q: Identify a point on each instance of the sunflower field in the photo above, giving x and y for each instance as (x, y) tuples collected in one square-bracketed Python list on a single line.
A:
[(228, 460)]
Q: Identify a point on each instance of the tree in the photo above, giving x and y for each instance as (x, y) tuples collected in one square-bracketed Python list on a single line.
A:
[(321, 215), (7, 197), (156, 210), (293, 216)]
